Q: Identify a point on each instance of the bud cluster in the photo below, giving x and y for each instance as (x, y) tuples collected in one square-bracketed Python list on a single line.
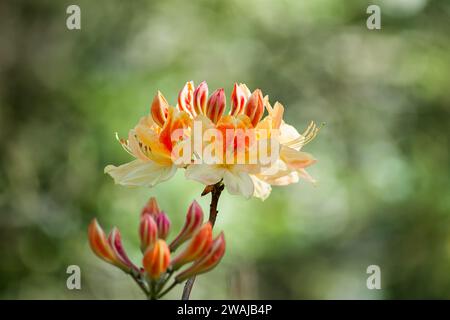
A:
[(198, 252)]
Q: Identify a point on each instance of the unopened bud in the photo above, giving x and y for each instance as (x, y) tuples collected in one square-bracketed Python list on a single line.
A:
[(254, 108), (159, 109), (115, 241), (194, 219), (185, 98), (151, 208), (216, 105), (103, 249), (156, 259), (163, 223), (201, 98), (197, 246), (238, 100), (148, 232), (206, 262)]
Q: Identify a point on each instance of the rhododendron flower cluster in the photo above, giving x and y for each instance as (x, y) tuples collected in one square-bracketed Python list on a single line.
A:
[(244, 149), (198, 252)]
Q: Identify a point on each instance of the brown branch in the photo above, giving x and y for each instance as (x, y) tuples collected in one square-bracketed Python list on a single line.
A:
[(216, 191)]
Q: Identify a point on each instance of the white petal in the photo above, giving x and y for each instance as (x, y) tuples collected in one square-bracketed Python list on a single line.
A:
[(283, 180), (288, 134), (140, 173), (262, 189), (204, 173), (238, 182)]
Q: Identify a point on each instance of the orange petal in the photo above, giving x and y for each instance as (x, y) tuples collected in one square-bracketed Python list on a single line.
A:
[(175, 120)]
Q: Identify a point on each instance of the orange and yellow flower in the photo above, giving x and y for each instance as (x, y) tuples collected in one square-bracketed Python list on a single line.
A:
[(169, 134)]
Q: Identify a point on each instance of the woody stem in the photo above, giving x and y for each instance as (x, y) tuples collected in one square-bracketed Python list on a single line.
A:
[(216, 191)]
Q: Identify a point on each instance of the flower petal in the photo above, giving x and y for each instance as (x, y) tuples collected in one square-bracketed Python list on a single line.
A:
[(288, 134), (284, 180), (204, 173), (278, 174), (238, 183), (295, 159), (262, 189), (140, 173)]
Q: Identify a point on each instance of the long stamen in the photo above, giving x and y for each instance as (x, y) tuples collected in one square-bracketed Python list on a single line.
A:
[(124, 144), (306, 137)]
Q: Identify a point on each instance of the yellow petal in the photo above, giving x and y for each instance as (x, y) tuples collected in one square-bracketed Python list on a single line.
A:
[(156, 150)]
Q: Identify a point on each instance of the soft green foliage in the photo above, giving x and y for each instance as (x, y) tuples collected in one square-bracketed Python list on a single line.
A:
[(383, 195)]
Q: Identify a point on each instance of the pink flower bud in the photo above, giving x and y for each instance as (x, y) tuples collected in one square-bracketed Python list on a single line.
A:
[(151, 208), (194, 220), (216, 105), (196, 247), (163, 223), (159, 109), (115, 241), (206, 262), (254, 108), (148, 232), (238, 100), (185, 98), (201, 98), (156, 259)]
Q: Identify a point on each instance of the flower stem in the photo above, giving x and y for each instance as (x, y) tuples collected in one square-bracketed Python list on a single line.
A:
[(162, 284), (167, 290), (140, 281), (216, 191)]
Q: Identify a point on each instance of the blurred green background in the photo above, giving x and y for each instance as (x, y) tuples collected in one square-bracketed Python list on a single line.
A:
[(383, 196)]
